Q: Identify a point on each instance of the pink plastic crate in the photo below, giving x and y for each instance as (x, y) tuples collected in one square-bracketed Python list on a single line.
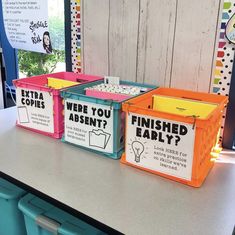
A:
[(40, 108)]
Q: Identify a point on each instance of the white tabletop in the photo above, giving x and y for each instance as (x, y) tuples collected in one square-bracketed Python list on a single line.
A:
[(129, 200)]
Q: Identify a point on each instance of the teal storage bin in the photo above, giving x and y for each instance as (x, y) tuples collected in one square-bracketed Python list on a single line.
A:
[(96, 123), (11, 218), (42, 218)]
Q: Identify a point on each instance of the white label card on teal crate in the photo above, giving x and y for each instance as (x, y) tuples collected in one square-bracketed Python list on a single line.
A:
[(35, 109), (160, 145), (112, 80), (89, 125)]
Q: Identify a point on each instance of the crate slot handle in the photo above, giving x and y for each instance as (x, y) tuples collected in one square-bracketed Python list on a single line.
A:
[(81, 80), (48, 224), (181, 109)]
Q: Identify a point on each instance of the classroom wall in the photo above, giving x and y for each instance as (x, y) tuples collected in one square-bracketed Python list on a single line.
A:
[(169, 43)]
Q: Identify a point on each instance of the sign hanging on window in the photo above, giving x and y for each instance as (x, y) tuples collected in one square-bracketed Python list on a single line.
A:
[(26, 24)]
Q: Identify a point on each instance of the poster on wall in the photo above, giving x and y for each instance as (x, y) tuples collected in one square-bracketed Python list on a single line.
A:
[(89, 125), (160, 145), (26, 24), (35, 109)]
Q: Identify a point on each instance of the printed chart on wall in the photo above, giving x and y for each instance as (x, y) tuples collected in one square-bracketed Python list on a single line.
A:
[(26, 24), (35, 109), (160, 145), (89, 125)]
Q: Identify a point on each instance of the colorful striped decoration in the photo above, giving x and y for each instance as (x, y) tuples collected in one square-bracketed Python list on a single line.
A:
[(225, 55), (76, 35)]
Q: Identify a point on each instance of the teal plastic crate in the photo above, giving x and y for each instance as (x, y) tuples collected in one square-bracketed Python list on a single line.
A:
[(11, 218), (42, 218), (95, 124)]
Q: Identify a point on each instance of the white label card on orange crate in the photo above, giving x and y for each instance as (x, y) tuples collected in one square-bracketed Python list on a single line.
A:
[(161, 145), (35, 109), (89, 125)]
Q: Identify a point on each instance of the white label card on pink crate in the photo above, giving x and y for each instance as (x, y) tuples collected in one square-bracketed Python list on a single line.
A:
[(89, 125), (160, 145), (35, 109)]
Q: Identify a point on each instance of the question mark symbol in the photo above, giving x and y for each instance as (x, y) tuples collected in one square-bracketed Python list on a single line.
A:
[(105, 123), (177, 139)]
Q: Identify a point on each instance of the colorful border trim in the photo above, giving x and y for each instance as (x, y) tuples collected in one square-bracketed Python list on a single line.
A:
[(224, 58), (225, 54), (76, 36)]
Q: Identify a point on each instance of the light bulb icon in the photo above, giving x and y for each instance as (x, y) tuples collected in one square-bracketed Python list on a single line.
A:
[(138, 149)]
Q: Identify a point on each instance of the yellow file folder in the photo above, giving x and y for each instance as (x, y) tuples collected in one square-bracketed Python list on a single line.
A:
[(181, 106), (57, 83)]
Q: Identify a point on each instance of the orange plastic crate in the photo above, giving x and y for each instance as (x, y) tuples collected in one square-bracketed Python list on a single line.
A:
[(162, 154)]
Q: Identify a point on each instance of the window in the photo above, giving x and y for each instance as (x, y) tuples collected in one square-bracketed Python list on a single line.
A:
[(33, 63), (19, 63)]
